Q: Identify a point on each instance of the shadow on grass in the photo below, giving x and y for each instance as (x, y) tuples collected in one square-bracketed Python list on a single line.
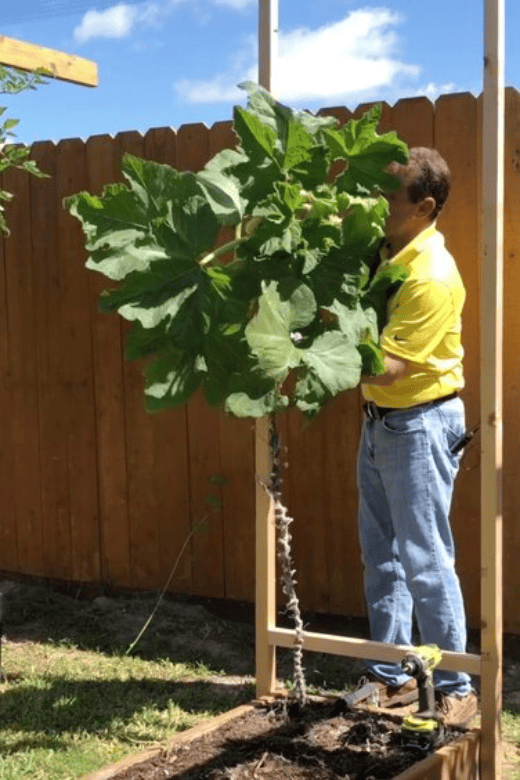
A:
[(217, 633), (106, 707)]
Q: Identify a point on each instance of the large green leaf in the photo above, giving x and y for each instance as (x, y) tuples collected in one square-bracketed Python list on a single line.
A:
[(272, 333), (223, 195), (367, 154), (288, 294), (335, 360), (170, 380), (383, 286)]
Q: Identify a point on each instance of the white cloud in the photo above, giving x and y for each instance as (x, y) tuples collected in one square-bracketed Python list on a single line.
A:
[(236, 5), (345, 59), (120, 20), (433, 91)]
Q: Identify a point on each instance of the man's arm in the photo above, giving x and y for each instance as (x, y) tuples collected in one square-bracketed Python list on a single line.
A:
[(396, 368)]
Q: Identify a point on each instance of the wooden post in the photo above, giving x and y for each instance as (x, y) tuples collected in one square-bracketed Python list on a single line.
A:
[(265, 611), (491, 317), (267, 43)]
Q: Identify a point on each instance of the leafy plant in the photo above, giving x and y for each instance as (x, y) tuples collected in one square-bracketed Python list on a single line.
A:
[(290, 296), (14, 81)]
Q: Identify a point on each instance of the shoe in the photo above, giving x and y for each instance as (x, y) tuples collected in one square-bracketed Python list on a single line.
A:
[(455, 710), (391, 695)]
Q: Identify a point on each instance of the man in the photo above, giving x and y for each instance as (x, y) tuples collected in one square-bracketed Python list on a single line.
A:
[(413, 418)]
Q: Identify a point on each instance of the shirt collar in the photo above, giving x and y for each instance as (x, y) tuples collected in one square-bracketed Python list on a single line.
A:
[(411, 250)]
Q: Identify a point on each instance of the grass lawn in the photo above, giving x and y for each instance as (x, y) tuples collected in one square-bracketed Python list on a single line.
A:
[(74, 701), (68, 711)]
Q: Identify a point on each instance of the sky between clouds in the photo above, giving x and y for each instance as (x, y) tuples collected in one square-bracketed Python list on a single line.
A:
[(358, 52), (172, 62)]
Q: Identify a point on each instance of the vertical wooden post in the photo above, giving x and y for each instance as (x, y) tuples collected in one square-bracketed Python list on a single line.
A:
[(265, 610), (267, 43), (491, 315), (265, 520)]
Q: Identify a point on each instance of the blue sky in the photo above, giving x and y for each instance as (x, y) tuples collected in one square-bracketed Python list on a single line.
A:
[(173, 62)]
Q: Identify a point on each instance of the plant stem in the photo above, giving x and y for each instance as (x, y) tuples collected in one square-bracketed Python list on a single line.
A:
[(149, 620), (221, 250), (283, 521)]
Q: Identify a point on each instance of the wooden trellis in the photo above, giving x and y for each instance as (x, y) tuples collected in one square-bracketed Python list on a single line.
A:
[(62, 66), (488, 665)]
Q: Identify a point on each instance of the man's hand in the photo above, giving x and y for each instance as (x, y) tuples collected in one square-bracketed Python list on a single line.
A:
[(396, 368)]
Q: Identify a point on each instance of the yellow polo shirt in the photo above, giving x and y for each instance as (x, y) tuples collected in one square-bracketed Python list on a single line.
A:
[(424, 325)]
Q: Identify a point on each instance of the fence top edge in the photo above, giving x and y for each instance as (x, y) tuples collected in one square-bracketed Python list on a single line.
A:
[(190, 126)]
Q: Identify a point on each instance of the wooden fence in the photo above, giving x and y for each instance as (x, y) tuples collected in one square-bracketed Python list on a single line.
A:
[(95, 490)]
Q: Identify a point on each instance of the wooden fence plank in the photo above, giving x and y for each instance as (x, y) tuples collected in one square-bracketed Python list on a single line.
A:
[(8, 526), (192, 147), (237, 443), (305, 477), (108, 373), (23, 338), (511, 362), (237, 446), (142, 494), (205, 468), (341, 428), (456, 136), (160, 145), (412, 119), (342, 113), (156, 467), (53, 430), (193, 151), (79, 406), (171, 438)]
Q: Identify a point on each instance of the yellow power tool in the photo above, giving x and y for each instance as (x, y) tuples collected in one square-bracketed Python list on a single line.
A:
[(420, 662)]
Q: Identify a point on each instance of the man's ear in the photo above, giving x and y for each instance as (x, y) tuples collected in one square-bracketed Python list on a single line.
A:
[(426, 207)]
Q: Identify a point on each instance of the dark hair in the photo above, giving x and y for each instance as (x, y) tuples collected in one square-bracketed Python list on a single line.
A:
[(430, 177)]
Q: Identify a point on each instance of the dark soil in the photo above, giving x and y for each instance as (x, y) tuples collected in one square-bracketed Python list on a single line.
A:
[(273, 743)]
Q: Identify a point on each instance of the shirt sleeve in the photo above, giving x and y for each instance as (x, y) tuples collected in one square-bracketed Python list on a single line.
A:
[(421, 314)]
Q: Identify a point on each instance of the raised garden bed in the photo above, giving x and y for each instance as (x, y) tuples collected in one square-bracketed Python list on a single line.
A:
[(263, 741)]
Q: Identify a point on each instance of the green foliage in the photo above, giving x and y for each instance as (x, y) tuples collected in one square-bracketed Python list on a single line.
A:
[(295, 299), (12, 82)]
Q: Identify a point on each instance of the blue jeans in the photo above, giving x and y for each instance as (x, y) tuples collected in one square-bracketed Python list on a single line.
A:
[(406, 475)]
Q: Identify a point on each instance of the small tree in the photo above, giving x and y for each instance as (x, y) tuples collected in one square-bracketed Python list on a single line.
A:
[(290, 297), (12, 82)]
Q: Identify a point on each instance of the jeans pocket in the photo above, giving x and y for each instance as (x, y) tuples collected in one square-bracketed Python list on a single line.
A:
[(403, 423), (453, 425), (453, 428)]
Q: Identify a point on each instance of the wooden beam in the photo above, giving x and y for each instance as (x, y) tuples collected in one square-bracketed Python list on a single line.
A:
[(30, 56), (366, 648), (265, 610), (492, 320), (267, 43)]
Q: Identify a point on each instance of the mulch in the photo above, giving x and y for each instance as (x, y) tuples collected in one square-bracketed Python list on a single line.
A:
[(279, 742)]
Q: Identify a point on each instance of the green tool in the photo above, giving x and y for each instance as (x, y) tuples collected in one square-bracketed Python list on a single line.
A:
[(419, 662), (423, 729), (423, 734)]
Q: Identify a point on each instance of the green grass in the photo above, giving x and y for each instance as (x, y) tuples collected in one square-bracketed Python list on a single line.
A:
[(65, 712), (511, 737)]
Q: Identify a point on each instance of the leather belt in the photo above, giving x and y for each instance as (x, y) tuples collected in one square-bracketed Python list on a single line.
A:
[(375, 412)]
